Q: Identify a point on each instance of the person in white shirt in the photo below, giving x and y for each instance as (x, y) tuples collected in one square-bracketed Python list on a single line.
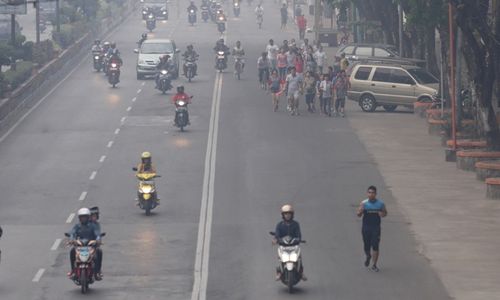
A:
[(272, 53), (320, 57)]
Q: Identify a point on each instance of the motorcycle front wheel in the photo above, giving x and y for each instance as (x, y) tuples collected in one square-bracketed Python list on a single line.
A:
[(83, 281), (290, 282), (147, 208)]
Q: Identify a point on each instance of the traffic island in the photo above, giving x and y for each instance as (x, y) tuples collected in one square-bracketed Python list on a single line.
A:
[(493, 188), (419, 108), (487, 169), (467, 159)]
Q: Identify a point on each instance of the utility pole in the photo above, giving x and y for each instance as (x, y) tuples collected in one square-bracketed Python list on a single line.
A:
[(36, 3), (400, 21), (58, 20), (13, 29), (317, 4)]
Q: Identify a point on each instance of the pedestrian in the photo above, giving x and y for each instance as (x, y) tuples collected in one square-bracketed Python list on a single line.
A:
[(263, 70), (301, 24), (284, 15), (320, 57), (340, 86), (331, 74), (290, 57), (298, 63), (326, 95), (275, 86), (310, 90), (285, 46), (282, 63), (310, 62), (272, 52), (372, 210), (294, 87), (344, 62)]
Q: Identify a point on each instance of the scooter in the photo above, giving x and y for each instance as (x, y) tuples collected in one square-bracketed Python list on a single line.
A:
[(205, 15), (221, 24), (146, 191), (192, 17), (220, 63), (236, 9), (84, 264), (151, 22), (181, 113), (98, 60), (164, 81), (190, 65), (290, 261), (114, 74)]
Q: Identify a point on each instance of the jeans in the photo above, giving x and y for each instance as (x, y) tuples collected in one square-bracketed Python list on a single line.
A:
[(325, 104), (263, 75)]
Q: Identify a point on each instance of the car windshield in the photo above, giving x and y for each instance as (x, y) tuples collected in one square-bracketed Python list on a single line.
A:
[(156, 48), (422, 76)]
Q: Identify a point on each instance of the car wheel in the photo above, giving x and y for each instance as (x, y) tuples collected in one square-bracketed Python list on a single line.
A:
[(367, 103), (389, 108)]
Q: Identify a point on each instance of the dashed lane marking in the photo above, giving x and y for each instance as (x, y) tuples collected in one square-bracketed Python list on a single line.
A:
[(70, 218), (129, 108), (117, 130), (84, 194), (56, 244), (133, 99), (123, 120), (38, 275), (139, 91), (110, 144), (102, 158), (92, 176)]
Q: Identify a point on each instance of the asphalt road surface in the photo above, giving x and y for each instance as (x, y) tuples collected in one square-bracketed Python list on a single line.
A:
[(223, 182)]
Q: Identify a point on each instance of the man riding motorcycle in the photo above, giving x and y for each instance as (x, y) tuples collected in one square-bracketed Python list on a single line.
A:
[(114, 58), (239, 53), (163, 64), (88, 230), (192, 6), (146, 164), (144, 37), (190, 54), (97, 46), (288, 227), (181, 96), (220, 46)]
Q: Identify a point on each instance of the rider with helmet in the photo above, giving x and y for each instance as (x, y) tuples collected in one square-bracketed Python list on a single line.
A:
[(163, 64), (239, 53), (192, 6), (87, 230), (190, 54), (181, 95), (288, 227), (144, 37), (220, 46), (146, 165), (96, 48)]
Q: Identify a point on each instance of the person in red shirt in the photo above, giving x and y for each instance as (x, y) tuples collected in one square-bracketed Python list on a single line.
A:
[(299, 64), (301, 24), (181, 96)]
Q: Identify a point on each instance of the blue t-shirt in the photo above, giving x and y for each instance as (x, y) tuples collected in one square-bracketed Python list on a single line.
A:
[(371, 218)]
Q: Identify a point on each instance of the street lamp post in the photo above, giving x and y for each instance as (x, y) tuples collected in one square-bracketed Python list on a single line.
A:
[(36, 3), (58, 21)]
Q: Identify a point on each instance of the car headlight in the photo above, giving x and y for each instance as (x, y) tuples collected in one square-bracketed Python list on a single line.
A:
[(141, 62)]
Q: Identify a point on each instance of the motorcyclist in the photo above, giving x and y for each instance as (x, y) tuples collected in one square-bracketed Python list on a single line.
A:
[(87, 230), (239, 52), (220, 16), (94, 218), (190, 54), (144, 37), (288, 227), (220, 46), (181, 95), (192, 6), (114, 57), (96, 48), (163, 64), (259, 11), (112, 49)]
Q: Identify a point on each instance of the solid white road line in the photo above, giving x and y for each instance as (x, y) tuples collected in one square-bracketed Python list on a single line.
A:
[(102, 158), (56, 244), (38, 275), (83, 195), (110, 144), (70, 218), (92, 176), (205, 224)]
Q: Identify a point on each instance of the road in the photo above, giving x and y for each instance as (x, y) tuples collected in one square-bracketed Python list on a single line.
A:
[(77, 149)]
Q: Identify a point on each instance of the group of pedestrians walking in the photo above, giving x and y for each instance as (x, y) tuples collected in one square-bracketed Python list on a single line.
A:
[(296, 71)]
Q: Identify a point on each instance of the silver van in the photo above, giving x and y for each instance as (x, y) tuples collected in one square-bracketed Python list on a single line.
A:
[(374, 85), (149, 56)]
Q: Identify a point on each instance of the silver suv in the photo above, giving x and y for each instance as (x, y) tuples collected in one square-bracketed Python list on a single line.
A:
[(374, 85), (149, 56)]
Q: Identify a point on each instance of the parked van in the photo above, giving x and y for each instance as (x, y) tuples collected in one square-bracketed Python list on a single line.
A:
[(374, 85)]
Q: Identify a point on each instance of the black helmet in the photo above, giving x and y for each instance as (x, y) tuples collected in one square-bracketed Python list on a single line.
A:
[(97, 42), (190, 46), (144, 35), (113, 45), (94, 211), (180, 89)]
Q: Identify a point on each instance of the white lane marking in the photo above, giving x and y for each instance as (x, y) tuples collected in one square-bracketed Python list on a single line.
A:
[(129, 108), (123, 119), (92, 176), (207, 201), (38, 275), (102, 158), (70, 218), (84, 194), (110, 144), (117, 131), (56, 244), (143, 83), (139, 91), (133, 99)]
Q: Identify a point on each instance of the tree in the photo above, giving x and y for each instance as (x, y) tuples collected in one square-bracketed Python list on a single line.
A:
[(480, 25)]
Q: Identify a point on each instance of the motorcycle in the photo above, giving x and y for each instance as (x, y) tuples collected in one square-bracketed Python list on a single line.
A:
[(114, 74), (181, 113), (146, 11), (146, 191), (289, 255), (164, 81), (151, 22), (221, 24), (236, 9), (84, 265), (190, 65), (221, 61), (238, 66), (204, 14), (192, 17), (98, 60)]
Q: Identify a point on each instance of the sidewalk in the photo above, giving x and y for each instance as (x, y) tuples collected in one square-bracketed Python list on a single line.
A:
[(455, 226)]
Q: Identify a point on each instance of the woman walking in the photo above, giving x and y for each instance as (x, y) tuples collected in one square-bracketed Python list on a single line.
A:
[(275, 83), (310, 90)]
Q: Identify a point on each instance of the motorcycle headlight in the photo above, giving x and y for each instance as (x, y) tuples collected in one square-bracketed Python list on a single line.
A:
[(236, 4), (84, 255), (144, 12), (221, 19), (96, 57), (113, 65), (181, 103), (221, 52), (285, 256), (191, 11), (164, 72), (146, 189), (294, 257), (150, 16), (164, 12)]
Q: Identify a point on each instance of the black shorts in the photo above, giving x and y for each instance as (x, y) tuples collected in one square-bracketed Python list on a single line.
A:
[(371, 239)]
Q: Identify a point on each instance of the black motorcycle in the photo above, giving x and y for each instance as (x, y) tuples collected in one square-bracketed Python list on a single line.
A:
[(164, 81), (190, 66), (205, 14), (221, 61), (181, 113), (192, 17), (236, 9), (114, 73), (221, 24), (98, 59), (151, 22)]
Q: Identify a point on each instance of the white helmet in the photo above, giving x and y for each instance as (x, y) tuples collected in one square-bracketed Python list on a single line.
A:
[(83, 212)]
